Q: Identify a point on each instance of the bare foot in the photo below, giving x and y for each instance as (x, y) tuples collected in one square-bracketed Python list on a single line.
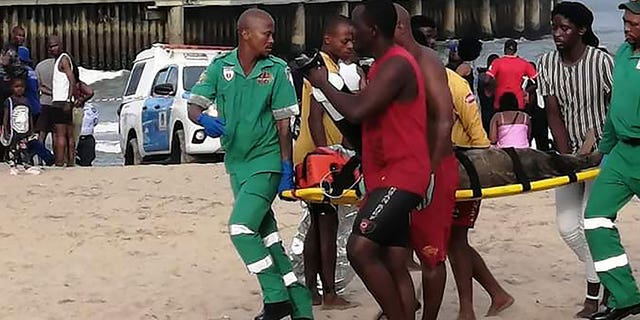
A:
[(335, 302), (499, 304), (590, 307), (316, 299)]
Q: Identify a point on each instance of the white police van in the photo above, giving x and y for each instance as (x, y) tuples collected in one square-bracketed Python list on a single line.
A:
[(153, 121)]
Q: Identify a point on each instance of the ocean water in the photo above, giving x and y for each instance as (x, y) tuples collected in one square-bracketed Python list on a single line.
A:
[(107, 85), (607, 25)]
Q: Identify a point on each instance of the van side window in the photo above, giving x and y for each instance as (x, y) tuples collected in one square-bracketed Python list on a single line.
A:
[(160, 78), (134, 79), (173, 77)]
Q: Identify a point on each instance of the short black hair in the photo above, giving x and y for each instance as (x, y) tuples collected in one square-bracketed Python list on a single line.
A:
[(509, 102), (19, 78), (332, 23), (469, 49), (421, 21), (492, 57), (580, 16), (383, 15), (511, 45), (419, 37)]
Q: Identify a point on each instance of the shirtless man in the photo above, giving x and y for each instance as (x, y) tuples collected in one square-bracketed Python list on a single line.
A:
[(431, 227), (395, 157)]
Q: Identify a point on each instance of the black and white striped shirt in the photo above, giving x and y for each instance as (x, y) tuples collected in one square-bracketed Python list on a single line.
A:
[(581, 90)]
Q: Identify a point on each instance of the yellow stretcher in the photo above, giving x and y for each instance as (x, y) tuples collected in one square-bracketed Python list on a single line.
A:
[(349, 196)]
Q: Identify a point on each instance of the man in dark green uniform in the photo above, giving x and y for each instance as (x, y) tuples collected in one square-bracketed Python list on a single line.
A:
[(619, 179), (255, 101)]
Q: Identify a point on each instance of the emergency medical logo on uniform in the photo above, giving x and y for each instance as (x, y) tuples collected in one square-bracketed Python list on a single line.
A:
[(228, 73), (265, 78)]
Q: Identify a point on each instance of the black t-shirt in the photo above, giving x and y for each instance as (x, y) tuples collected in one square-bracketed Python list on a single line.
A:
[(17, 102)]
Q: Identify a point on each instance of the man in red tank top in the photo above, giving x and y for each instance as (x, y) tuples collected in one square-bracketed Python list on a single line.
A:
[(395, 157)]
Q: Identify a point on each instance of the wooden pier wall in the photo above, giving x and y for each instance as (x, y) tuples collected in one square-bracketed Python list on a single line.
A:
[(108, 35)]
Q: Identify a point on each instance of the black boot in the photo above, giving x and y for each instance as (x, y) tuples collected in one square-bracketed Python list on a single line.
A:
[(275, 311), (616, 314)]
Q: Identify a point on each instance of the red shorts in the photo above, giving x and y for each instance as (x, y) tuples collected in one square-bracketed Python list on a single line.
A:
[(431, 226), (466, 213)]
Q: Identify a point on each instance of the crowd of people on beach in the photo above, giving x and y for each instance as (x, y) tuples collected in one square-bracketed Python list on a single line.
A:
[(43, 98), (577, 92)]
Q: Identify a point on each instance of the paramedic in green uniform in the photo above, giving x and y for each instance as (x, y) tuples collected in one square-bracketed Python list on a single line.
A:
[(619, 179), (255, 101)]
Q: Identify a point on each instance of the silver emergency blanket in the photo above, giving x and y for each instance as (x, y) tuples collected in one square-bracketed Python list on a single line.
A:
[(344, 272)]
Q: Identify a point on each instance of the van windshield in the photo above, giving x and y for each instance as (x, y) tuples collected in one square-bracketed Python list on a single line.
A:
[(190, 76)]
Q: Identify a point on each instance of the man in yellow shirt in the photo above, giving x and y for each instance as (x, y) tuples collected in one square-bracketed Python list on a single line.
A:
[(317, 130), (467, 133)]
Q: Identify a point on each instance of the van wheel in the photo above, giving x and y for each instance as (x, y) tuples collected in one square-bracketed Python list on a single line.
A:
[(179, 149), (132, 155)]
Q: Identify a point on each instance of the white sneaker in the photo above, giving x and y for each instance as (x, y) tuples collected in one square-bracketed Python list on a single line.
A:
[(33, 171), (13, 171)]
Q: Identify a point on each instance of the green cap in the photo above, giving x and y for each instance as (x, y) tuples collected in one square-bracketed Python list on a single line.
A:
[(632, 5)]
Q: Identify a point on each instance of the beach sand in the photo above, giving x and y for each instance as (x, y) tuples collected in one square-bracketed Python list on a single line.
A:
[(151, 243)]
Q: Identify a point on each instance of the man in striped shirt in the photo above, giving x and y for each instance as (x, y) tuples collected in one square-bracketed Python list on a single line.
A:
[(576, 83)]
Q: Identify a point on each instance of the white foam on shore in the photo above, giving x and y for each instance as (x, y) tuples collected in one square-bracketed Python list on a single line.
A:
[(89, 76), (106, 127), (108, 146)]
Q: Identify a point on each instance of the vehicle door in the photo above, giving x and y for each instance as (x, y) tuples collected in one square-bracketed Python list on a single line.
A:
[(131, 106), (156, 111)]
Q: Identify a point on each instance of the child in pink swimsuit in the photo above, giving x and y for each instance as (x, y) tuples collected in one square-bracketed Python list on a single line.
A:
[(510, 127)]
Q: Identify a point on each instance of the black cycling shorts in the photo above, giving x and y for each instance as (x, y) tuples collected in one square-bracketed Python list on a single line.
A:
[(385, 216)]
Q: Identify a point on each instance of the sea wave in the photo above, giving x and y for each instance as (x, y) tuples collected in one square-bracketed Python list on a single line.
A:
[(89, 76), (108, 146), (106, 127)]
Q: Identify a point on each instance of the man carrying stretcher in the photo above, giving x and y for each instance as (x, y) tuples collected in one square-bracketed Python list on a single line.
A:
[(395, 156)]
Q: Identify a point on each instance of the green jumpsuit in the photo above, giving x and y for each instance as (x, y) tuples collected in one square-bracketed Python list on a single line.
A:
[(250, 106), (618, 182)]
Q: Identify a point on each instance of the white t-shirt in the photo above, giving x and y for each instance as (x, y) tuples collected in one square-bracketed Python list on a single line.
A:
[(89, 119)]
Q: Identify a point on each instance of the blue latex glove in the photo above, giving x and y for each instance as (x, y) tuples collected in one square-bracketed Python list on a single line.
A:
[(603, 161), (286, 180), (213, 126)]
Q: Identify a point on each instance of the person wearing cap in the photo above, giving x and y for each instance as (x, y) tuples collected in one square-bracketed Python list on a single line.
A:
[(576, 81), (619, 178), (33, 88), (508, 72)]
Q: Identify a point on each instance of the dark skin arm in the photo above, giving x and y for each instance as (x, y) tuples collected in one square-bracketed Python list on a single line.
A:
[(86, 93), (45, 90), (439, 108), (316, 125), (390, 84), (556, 124), (284, 136), (193, 111), (65, 67)]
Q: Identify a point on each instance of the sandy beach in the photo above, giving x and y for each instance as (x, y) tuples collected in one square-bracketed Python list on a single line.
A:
[(151, 243)]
